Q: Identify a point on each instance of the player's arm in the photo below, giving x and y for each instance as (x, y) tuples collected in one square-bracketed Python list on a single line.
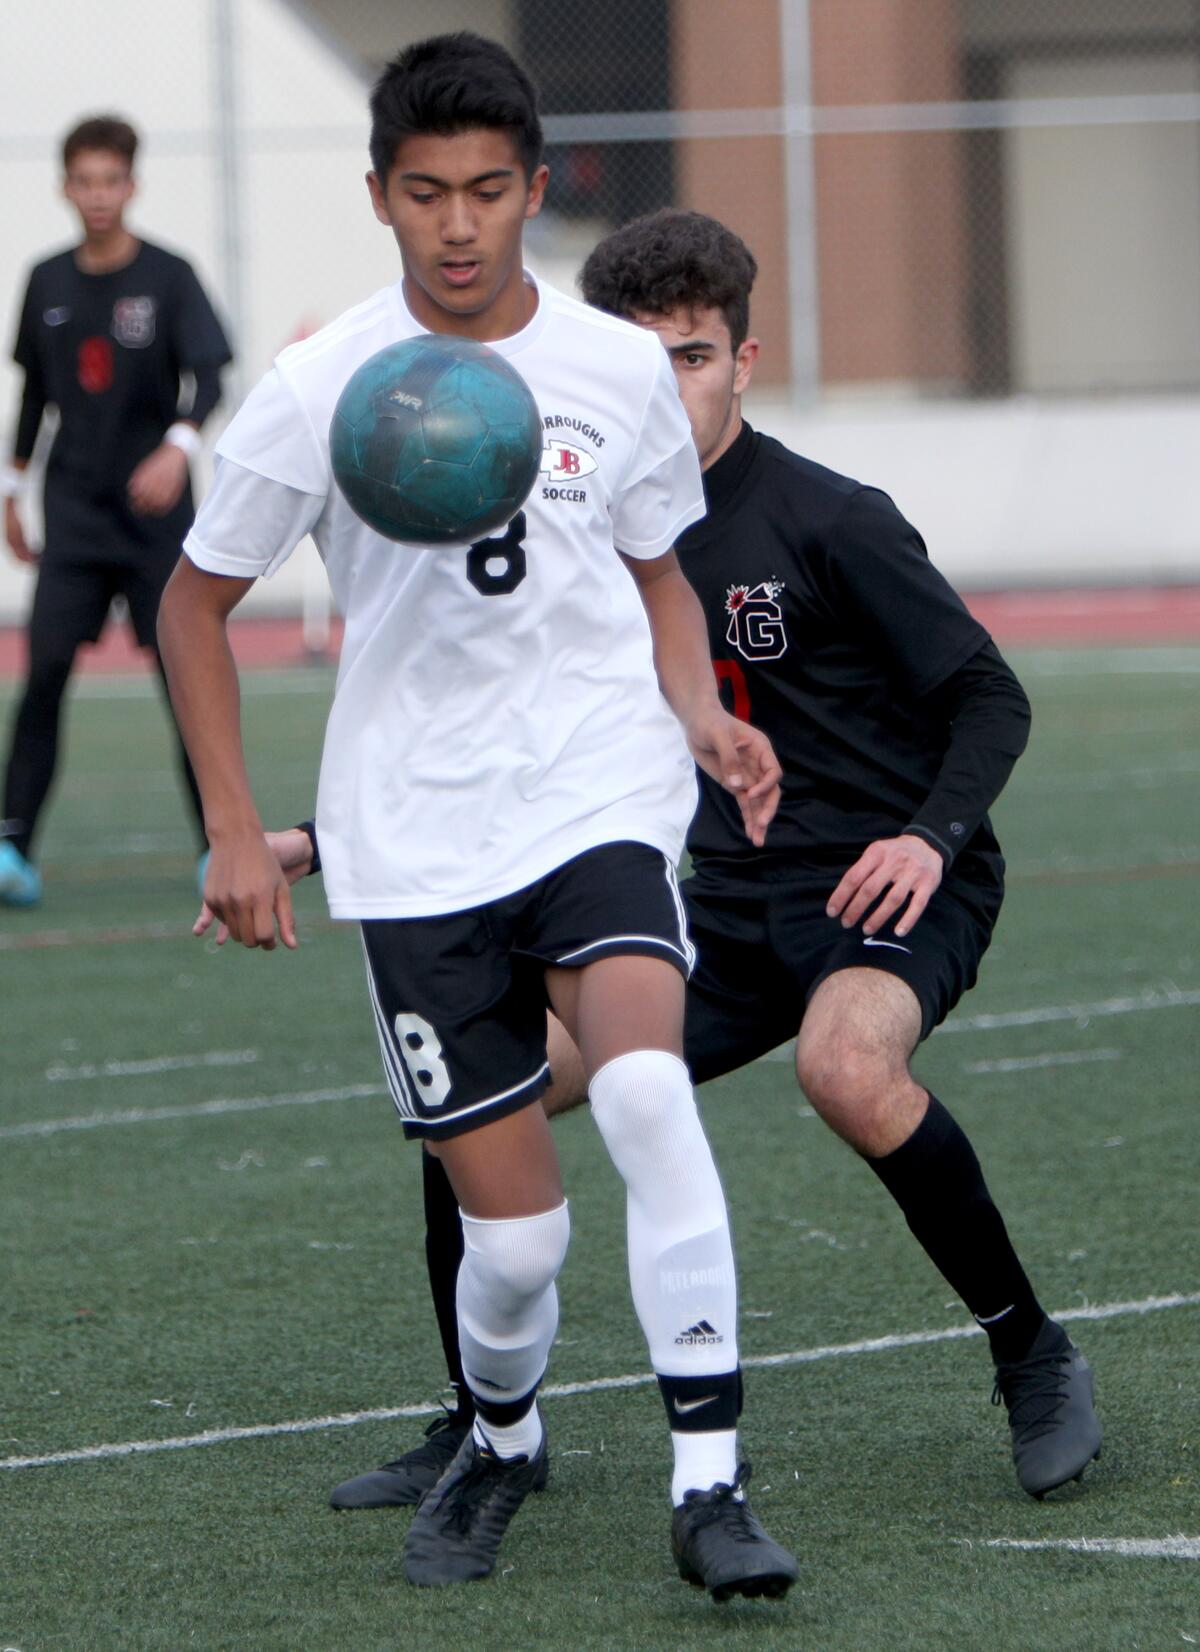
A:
[(29, 421), (732, 752), (158, 480), (942, 662), (989, 717), (13, 484), (244, 885), (200, 347)]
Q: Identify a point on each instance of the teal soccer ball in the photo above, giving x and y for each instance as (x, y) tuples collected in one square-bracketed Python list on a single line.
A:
[(436, 441)]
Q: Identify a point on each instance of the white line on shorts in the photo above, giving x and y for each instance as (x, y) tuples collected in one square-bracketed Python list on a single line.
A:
[(1055, 1058), (1147, 1548), (199, 1109), (567, 1390), (60, 1073)]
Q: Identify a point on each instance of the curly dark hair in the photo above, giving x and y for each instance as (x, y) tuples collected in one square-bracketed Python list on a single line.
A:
[(101, 132), (451, 83), (670, 260)]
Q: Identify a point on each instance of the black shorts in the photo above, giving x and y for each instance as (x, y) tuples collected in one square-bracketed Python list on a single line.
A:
[(763, 948), (460, 1001), (97, 548), (72, 599)]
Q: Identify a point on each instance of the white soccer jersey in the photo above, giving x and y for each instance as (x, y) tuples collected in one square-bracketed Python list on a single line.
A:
[(480, 738)]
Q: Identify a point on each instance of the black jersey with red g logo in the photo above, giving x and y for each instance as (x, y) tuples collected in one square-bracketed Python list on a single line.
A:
[(830, 630)]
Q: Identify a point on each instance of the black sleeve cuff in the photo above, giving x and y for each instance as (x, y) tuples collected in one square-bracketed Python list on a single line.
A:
[(932, 839), (309, 828)]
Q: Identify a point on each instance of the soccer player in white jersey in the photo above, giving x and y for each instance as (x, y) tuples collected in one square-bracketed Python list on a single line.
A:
[(504, 792)]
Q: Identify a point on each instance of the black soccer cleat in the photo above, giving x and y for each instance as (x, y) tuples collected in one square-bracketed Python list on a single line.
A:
[(456, 1532), (405, 1481), (719, 1545), (1051, 1411)]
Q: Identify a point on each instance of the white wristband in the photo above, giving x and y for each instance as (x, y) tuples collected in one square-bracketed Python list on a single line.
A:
[(185, 437), (13, 482)]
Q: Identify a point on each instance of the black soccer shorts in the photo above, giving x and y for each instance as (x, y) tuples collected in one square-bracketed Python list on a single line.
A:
[(97, 549), (72, 599), (764, 947), (460, 1001)]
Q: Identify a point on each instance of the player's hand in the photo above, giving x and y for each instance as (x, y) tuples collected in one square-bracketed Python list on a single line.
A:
[(14, 532), (158, 482), (292, 849), (744, 761), (246, 890), (907, 867)]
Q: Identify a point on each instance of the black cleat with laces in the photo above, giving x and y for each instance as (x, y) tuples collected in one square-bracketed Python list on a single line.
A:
[(456, 1532), (406, 1480), (1051, 1411), (719, 1546)]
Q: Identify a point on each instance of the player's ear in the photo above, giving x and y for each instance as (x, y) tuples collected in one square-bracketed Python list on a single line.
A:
[(537, 191), (745, 360), (378, 199)]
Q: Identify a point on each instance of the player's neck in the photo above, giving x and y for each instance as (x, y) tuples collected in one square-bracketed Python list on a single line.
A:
[(100, 254), (730, 431), (509, 311)]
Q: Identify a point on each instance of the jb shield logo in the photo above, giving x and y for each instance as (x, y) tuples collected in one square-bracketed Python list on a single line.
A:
[(563, 462)]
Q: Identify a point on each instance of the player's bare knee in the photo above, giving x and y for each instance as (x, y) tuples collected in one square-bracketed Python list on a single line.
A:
[(840, 1079), (866, 1095)]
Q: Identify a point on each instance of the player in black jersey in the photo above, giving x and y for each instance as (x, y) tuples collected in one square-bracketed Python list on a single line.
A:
[(109, 329), (864, 919)]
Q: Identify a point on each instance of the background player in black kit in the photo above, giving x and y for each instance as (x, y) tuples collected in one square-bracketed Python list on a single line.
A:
[(864, 919), (108, 329)]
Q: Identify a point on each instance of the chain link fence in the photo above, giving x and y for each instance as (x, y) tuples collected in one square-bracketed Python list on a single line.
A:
[(985, 211), (946, 197), (966, 197)]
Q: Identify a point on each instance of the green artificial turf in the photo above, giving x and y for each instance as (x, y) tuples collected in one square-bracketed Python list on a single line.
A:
[(171, 1271)]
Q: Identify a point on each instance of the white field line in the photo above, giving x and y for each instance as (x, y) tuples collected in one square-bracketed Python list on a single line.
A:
[(200, 1109), (1169, 999), (1055, 1058), (60, 1073), (1148, 1548), (1172, 998), (19, 941), (568, 1390)]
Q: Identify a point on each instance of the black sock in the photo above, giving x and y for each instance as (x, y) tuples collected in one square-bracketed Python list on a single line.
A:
[(443, 1257), (935, 1179)]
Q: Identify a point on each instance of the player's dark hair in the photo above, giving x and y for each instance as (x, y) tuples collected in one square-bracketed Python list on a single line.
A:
[(101, 132), (453, 83), (673, 260)]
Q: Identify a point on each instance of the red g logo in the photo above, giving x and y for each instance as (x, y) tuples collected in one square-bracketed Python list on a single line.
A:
[(94, 365)]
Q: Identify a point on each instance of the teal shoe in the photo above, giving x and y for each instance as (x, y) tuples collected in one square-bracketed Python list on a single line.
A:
[(20, 883)]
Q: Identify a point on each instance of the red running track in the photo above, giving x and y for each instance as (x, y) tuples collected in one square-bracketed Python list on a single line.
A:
[(1071, 618)]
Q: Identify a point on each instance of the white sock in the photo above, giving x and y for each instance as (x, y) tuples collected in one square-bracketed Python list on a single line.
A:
[(508, 1308), (519, 1439), (703, 1461), (680, 1254)]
